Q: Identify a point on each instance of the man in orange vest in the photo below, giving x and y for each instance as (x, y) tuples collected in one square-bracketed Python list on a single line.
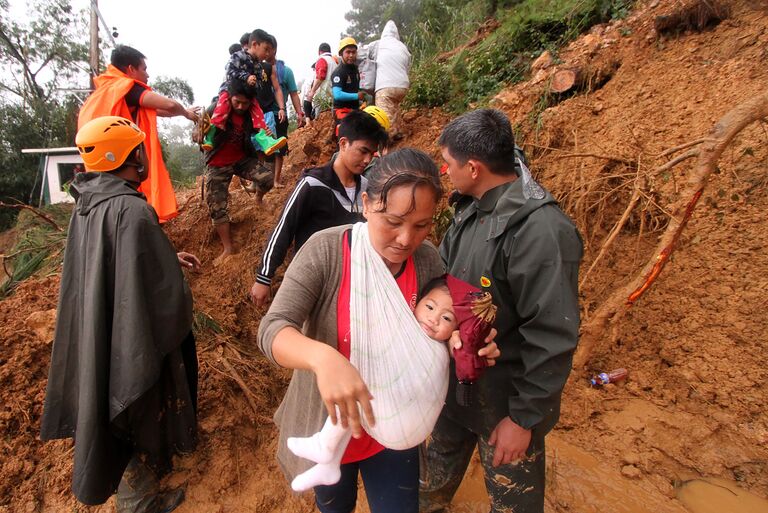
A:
[(122, 90)]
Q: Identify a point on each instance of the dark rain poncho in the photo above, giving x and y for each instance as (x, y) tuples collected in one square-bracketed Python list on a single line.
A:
[(123, 376)]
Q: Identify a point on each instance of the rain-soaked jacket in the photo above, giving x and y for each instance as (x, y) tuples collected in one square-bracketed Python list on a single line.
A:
[(393, 60), (517, 244), (123, 374)]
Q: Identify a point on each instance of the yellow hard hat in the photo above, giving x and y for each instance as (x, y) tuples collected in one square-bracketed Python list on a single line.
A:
[(379, 115), (105, 143), (347, 41)]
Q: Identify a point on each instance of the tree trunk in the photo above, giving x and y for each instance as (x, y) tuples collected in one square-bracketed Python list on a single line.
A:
[(604, 321)]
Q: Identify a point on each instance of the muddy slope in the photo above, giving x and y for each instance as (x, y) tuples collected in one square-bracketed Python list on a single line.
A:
[(695, 400)]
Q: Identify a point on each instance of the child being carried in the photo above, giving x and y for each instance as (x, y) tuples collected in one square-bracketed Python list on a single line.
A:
[(245, 66), (438, 319)]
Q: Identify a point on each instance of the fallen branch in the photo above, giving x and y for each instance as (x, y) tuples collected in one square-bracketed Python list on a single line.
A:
[(675, 161), (606, 318), (687, 145), (241, 383), (594, 155), (45, 217)]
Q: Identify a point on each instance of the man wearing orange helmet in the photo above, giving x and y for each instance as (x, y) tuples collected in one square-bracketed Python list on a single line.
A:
[(123, 376)]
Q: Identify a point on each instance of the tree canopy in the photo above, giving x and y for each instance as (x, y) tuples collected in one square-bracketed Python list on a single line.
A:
[(367, 17), (175, 88), (43, 57), (38, 56)]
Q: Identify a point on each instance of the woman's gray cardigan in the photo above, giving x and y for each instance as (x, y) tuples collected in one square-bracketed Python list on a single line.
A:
[(307, 301)]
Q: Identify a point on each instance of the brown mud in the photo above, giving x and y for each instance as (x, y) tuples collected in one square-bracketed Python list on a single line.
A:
[(694, 404)]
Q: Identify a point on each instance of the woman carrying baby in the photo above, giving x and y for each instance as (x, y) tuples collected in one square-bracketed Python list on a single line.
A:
[(307, 328)]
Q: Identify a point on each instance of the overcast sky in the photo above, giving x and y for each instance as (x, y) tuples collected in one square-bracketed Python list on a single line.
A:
[(189, 40)]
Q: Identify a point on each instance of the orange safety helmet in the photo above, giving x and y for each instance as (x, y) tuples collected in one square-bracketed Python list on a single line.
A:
[(105, 143), (379, 115)]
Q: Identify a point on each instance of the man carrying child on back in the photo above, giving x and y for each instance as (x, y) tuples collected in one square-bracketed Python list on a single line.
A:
[(245, 66), (232, 153)]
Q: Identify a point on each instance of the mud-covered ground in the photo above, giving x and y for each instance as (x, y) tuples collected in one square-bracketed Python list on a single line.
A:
[(694, 404)]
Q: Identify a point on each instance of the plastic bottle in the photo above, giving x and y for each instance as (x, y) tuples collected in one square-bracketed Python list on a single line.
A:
[(608, 377)]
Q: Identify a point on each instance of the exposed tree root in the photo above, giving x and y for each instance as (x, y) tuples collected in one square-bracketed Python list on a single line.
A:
[(604, 322), (616, 229)]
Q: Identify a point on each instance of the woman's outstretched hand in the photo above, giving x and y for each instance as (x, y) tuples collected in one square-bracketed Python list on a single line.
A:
[(341, 387), (490, 351)]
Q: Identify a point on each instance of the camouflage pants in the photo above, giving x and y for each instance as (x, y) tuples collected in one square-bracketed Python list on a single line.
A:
[(516, 487), (217, 180)]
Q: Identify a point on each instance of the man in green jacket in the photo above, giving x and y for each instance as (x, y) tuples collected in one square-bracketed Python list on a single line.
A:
[(509, 238)]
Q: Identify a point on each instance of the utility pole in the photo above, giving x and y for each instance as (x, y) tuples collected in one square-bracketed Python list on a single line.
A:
[(94, 49)]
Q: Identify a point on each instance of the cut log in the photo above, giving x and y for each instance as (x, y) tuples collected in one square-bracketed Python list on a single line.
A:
[(564, 80)]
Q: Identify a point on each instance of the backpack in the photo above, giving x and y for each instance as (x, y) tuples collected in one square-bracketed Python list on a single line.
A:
[(366, 65)]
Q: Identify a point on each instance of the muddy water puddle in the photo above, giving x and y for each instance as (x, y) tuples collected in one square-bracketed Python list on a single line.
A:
[(713, 495), (577, 481)]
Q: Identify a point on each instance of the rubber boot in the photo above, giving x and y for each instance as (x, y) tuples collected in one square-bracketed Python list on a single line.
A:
[(138, 489), (262, 142), (207, 144)]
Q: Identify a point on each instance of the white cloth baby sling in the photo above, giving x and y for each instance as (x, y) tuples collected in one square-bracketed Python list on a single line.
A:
[(404, 369)]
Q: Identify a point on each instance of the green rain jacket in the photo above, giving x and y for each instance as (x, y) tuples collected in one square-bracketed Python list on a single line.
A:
[(517, 244), (123, 374)]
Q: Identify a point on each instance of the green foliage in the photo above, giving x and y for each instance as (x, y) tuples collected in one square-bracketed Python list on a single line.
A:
[(502, 58), (182, 158), (441, 221), (175, 88), (202, 323), (30, 126), (545, 101), (620, 9), (430, 86), (367, 17), (184, 164), (440, 25), (43, 54), (40, 246), (37, 59)]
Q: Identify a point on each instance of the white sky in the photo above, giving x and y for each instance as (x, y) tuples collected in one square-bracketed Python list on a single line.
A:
[(190, 40)]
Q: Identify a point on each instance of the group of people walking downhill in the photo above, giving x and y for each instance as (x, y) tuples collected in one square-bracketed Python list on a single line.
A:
[(123, 376)]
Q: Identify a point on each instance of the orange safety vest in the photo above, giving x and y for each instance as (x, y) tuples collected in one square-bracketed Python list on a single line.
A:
[(108, 99)]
